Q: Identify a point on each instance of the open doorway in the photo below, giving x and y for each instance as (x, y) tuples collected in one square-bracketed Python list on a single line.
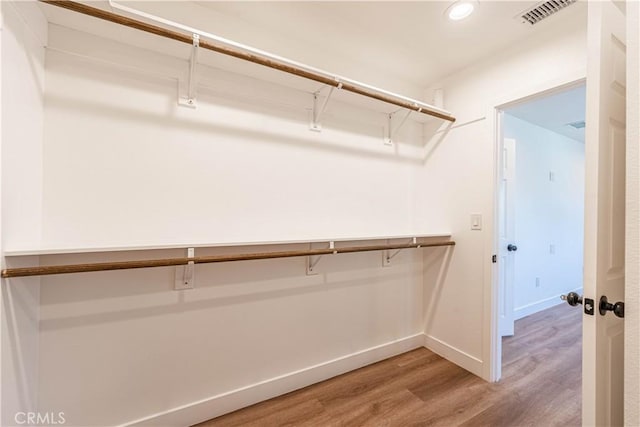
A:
[(541, 231)]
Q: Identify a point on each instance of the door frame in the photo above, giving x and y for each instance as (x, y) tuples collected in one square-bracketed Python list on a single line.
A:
[(496, 111)]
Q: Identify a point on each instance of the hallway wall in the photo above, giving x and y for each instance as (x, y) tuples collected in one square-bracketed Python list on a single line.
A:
[(549, 216)]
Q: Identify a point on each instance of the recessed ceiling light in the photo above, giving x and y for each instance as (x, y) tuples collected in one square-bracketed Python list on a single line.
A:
[(460, 10)]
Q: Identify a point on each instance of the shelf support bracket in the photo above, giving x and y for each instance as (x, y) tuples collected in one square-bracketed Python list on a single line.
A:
[(312, 261), (393, 131), (387, 256), (185, 276), (315, 124), (190, 99)]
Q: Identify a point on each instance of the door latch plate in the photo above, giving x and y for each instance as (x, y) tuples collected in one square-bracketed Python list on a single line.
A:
[(589, 307)]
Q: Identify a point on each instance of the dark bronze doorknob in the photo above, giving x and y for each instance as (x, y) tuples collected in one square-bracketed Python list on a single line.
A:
[(572, 298), (512, 248), (617, 308)]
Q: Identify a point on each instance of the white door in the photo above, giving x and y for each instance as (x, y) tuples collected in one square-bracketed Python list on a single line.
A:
[(506, 235), (604, 256)]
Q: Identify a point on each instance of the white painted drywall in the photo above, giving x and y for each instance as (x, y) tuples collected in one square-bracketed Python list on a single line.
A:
[(22, 38), (549, 216), (124, 165), (242, 167), (459, 178), (23, 123)]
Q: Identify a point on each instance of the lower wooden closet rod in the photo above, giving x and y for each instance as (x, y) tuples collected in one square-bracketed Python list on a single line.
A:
[(167, 262)]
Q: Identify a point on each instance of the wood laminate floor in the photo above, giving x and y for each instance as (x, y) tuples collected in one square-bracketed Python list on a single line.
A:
[(540, 386)]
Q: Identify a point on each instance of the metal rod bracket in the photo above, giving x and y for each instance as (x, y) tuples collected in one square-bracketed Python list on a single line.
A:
[(392, 131), (190, 99), (313, 260), (185, 276), (386, 259), (387, 255), (315, 122)]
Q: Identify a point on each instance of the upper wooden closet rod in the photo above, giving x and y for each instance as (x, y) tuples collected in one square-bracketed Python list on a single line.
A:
[(347, 85), (168, 262)]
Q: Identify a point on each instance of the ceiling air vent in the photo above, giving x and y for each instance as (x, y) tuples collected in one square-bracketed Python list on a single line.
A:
[(577, 125), (544, 10)]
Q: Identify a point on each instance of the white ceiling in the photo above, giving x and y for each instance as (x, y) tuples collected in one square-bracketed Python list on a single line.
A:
[(555, 111), (416, 40), (401, 46)]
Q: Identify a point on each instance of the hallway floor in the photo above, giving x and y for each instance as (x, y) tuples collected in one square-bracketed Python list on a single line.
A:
[(541, 385)]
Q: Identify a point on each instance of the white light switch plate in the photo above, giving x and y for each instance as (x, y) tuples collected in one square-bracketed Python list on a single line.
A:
[(476, 221)]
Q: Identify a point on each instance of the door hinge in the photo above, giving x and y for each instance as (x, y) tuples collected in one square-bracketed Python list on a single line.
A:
[(494, 259)]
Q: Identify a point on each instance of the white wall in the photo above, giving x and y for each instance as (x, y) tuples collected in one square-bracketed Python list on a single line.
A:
[(123, 165), (22, 130), (547, 213), (157, 173), (22, 39), (459, 180)]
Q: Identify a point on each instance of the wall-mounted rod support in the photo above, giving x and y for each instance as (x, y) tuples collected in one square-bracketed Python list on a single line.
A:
[(168, 262), (312, 261), (192, 66), (185, 276), (387, 256), (316, 114), (390, 255), (190, 99), (258, 57), (402, 122), (311, 264), (315, 262), (393, 131)]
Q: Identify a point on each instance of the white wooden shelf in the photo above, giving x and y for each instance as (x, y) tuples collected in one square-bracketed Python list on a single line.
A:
[(80, 250)]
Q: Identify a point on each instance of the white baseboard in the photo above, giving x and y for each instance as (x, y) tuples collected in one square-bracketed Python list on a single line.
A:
[(526, 310), (457, 356), (224, 403)]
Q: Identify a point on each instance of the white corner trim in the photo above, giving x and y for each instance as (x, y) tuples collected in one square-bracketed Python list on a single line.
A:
[(455, 355), (534, 307), (214, 406)]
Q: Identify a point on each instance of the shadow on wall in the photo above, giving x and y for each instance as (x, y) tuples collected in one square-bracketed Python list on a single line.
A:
[(435, 133), (124, 115), (135, 294), (19, 325), (14, 25), (240, 94), (436, 268)]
